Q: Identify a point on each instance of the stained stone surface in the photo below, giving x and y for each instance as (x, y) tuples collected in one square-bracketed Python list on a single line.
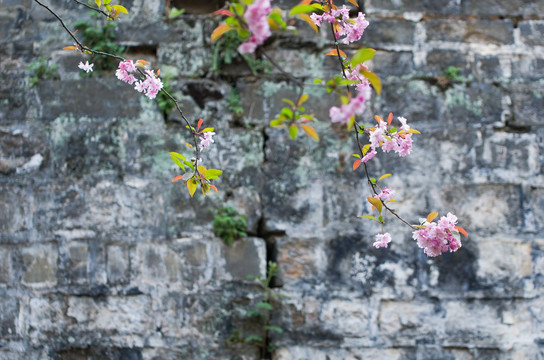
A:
[(102, 257)]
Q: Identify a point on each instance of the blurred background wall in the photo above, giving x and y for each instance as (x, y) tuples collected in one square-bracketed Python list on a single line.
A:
[(102, 257)]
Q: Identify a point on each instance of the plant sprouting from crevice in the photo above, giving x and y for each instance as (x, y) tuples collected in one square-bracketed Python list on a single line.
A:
[(42, 69), (229, 225)]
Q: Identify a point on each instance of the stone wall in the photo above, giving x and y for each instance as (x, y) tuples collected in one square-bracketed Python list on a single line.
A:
[(102, 257)]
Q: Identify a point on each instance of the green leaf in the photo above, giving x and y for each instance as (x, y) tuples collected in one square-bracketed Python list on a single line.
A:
[(288, 102), (367, 217), (251, 338), (288, 113), (207, 130), (361, 56), (356, 155), (293, 131), (255, 313), (374, 80), (98, 2), (120, 9), (189, 164), (274, 328), (178, 158), (264, 305), (276, 122), (302, 99), (213, 174), (373, 181), (365, 149), (380, 219), (301, 9)]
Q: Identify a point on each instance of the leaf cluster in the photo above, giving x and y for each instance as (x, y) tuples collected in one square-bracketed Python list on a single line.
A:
[(229, 225), (42, 69), (295, 115)]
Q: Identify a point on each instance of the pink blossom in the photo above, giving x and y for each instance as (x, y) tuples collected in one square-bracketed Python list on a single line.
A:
[(404, 147), (87, 67), (351, 29), (356, 106), (150, 86), (404, 126), (390, 140), (437, 238), (369, 155), (382, 240), (386, 194), (206, 139), (257, 23)]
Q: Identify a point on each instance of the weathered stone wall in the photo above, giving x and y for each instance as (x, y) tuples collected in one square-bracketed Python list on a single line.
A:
[(101, 257)]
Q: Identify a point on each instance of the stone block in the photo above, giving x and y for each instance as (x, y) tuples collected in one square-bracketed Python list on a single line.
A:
[(45, 318), (16, 209), (488, 68), (117, 264), (300, 258), (502, 7), (77, 262), (9, 314), (527, 104), (157, 263), (403, 322), (392, 63), (458, 320), (40, 265), (511, 158), (488, 208), (527, 68), (5, 265), (319, 353), (496, 268), (246, 257), (415, 100), (438, 60), (94, 98), (346, 317), (426, 6), (531, 32), (499, 32), (124, 315), (464, 106), (390, 32), (97, 352)]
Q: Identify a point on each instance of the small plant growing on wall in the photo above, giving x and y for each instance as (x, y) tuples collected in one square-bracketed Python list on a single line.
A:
[(42, 69), (261, 312), (229, 225)]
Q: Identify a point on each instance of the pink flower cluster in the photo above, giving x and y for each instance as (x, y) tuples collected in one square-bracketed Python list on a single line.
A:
[(438, 237), (150, 86), (382, 240), (355, 74), (257, 23), (206, 139), (356, 106), (386, 194), (381, 136), (351, 29)]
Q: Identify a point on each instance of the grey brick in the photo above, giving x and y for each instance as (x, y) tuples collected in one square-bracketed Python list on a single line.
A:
[(531, 32)]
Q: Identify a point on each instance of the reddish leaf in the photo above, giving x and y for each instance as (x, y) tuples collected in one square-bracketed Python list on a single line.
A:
[(461, 230), (356, 164), (179, 177), (189, 145), (389, 118), (353, 2), (334, 52), (199, 124), (378, 118), (310, 131), (213, 187), (219, 31), (222, 12), (69, 48)]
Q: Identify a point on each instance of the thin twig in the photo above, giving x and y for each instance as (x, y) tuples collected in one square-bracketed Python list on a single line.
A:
[(94, 9)]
